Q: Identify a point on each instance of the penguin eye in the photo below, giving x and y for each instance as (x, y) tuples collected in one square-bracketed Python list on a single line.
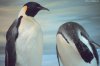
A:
[(83, 38), (82, 34)]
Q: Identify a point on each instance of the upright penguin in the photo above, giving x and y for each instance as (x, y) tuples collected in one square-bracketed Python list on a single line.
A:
[(74, 46), (24, 38)]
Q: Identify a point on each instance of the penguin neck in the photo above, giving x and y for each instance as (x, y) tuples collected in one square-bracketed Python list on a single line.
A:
[(29, 18), (22, 13)]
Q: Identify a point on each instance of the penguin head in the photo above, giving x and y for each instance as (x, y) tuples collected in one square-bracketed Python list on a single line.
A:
[(73, 31), (32, 8)]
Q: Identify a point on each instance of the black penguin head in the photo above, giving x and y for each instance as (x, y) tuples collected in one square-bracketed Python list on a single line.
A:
[(33, 8)]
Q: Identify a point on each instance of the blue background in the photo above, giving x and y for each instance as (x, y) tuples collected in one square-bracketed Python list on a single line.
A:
[(84, 12)]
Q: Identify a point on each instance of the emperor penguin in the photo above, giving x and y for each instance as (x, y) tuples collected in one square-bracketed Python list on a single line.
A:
[(24, 38), (75, 47)]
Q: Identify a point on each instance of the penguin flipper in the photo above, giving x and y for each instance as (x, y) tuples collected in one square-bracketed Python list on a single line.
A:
[(10, 50), (10, 53), (57, 55), (84, 51), (6, 58)]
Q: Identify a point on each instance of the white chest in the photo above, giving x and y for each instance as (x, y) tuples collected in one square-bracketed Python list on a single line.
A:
[(28, 32), (29, 43)]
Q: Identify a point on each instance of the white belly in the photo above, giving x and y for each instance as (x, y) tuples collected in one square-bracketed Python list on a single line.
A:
[(69, 56), (29, 45)]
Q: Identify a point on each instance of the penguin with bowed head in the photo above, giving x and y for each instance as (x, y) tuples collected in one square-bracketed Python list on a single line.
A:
[(75, 47)]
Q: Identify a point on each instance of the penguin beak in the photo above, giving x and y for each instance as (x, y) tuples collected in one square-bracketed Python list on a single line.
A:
[(43, 8)]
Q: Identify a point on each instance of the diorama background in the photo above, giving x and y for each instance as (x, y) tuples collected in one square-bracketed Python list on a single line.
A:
[(84, 12)]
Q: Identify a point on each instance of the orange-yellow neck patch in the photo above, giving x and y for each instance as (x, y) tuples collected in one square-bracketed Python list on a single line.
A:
[(25, 8)]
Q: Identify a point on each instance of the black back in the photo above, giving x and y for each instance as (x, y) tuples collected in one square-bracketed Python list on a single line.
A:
[(11, 36)]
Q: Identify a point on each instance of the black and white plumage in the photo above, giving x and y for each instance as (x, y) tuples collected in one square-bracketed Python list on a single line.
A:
[(75, 47), (24, 38)]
